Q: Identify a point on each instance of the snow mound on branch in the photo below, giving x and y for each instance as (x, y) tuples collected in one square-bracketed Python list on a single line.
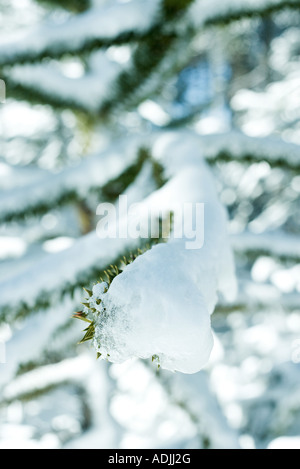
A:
[(156, 309), (160, 305)]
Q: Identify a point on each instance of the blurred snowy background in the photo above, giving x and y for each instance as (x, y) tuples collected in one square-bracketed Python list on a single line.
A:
[(90, 83)]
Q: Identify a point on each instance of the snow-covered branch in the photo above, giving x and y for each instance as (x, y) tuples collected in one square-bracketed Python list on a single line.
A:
[(48, 85), (228, 146), (71, 184), (33, 345), (47, 377), (160, 305), (237, 146), (46, 282), (281, 246), (97, 27), (49, 280), (57, 189), (211, 12)]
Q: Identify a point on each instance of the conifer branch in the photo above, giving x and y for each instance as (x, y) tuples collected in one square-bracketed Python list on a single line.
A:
[(47, 298), (109, 253), (66, 188), (58, 39), (224, 13), (240, 147), (45, 379), (41, 95)]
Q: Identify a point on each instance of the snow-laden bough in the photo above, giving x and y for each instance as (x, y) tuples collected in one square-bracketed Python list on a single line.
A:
[(160, 305)]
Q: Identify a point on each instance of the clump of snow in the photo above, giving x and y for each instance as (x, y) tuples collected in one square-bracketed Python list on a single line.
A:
[(160, 305), (95, 301), (99, 289), (156, 309)]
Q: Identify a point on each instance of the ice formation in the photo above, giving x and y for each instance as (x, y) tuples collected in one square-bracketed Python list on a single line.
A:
[(160, 305)]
